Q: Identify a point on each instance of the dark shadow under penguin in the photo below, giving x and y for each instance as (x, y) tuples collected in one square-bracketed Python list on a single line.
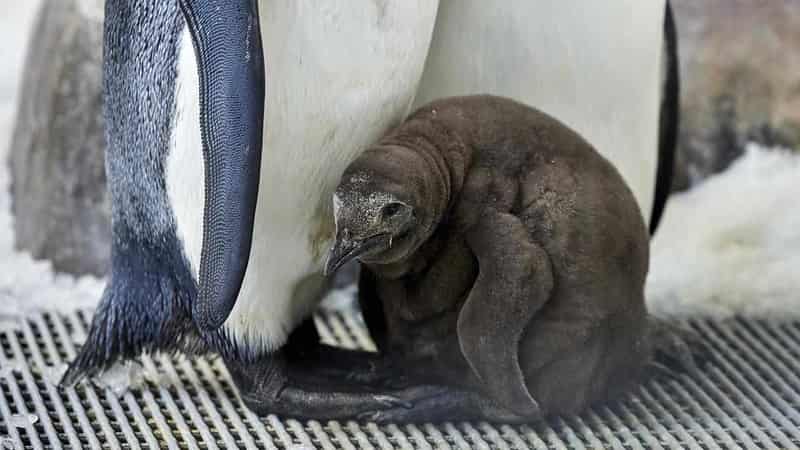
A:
[(501, 256)]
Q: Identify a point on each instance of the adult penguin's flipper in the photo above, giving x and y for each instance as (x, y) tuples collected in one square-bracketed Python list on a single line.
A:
[(227, 41), (668, 120)]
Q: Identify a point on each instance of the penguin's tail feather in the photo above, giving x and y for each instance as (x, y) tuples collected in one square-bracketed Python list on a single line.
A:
[(675, 349), (136, 314)]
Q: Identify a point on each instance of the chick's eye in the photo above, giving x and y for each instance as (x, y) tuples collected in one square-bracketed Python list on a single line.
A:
[(391, 210)]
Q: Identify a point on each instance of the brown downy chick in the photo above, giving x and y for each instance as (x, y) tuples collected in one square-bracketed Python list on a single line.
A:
[(501, 254)]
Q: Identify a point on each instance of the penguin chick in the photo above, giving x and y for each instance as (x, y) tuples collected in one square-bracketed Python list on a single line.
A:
[(501, 254)]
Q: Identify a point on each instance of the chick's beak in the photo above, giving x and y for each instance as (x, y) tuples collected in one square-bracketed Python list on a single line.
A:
[(342, 252)]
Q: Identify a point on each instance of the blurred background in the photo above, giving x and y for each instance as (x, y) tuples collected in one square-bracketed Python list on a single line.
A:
[(729, 242)]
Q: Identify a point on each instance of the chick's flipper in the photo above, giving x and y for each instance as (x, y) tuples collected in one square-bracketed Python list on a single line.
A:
[(514, 281)]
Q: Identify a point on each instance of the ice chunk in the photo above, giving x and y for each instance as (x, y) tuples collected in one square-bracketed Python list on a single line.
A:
[(122, 377), (53, 374), (11, 366), (22, 420)]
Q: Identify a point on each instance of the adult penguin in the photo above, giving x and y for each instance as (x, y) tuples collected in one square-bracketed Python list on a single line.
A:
[(221, 198), (221, 195)]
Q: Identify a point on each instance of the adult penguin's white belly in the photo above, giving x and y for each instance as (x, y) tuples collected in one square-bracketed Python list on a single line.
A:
[(339, 74), (595, 65)]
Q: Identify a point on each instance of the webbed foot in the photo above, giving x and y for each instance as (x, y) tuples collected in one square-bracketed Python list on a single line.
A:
[(271, 386)]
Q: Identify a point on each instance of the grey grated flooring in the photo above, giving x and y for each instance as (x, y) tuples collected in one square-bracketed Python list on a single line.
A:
[(749, 397)]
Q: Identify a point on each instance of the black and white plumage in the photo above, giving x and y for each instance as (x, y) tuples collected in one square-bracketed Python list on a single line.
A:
[(150, 290), (203, 236)]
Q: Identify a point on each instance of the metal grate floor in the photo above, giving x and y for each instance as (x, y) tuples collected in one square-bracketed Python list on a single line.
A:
[(748, 398)]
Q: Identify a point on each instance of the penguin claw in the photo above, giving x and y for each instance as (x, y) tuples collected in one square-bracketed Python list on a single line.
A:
[(439, 404), (402, 406), (390, 401)]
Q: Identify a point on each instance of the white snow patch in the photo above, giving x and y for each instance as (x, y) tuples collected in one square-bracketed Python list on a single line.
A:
[(9, 322), (731, 245)]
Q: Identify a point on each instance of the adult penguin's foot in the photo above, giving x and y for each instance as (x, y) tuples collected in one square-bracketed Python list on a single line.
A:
[(271, 386)]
